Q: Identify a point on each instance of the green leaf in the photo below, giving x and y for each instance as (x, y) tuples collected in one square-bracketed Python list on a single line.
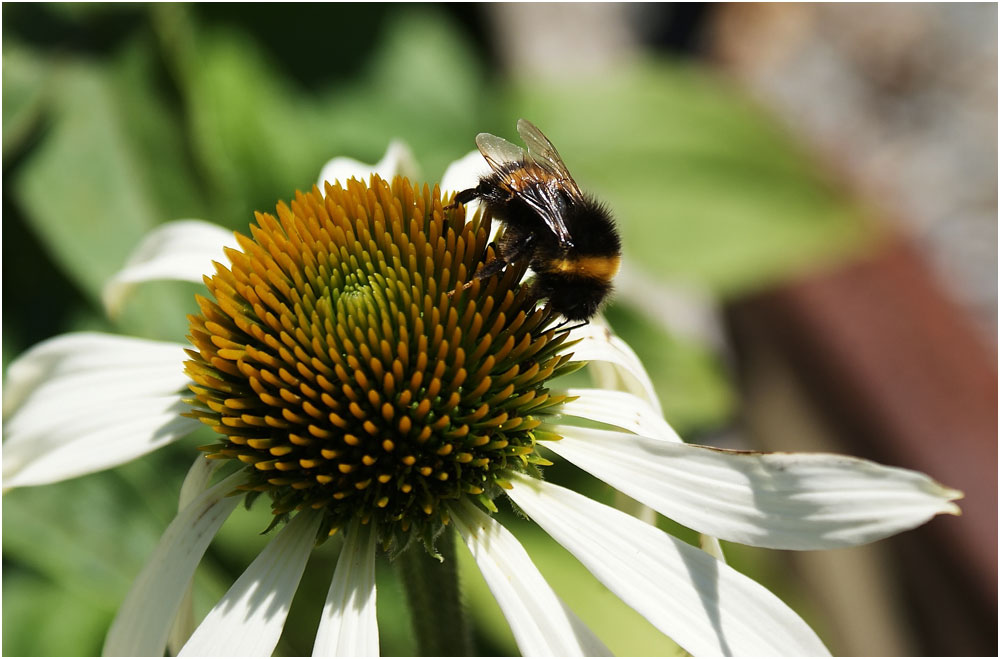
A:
[(156, 134), (425, 86), (26, 79), (48, 621), (247, 128), (70, 552), (80, 186), (84, 191), (258, 137), (92, 533)]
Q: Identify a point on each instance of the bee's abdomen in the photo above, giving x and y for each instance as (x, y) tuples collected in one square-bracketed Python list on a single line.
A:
[(601, 268)]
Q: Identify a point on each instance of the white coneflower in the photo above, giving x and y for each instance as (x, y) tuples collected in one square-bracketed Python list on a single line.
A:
[(351, 388)]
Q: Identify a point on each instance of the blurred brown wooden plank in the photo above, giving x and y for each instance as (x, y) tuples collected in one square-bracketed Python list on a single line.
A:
[(903, 375)]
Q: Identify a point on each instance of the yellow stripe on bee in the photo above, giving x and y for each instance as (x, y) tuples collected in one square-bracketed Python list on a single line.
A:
[(595, 267)]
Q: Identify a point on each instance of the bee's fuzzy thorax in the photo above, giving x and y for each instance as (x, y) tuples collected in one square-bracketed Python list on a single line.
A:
[(593, 228)]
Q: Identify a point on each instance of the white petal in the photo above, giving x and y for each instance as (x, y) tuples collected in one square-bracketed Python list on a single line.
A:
[(464, 173), (184, 623), (182, 250), (630, 412), (777, 500), (618, 408), (398, 160), (597, 343), (541, 623), (348, 627), (704, 605), (249, 618), (197, 479), (144, 619), (69, 354), (85, 402), (195, 483), (605, 375)]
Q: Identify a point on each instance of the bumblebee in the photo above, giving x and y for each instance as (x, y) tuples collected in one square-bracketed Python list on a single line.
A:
[(568, 238)]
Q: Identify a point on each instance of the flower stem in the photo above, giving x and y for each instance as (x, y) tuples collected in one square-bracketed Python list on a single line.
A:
[(439, 621)]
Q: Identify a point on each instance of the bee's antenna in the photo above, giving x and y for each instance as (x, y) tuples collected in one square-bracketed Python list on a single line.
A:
[(570, 329)]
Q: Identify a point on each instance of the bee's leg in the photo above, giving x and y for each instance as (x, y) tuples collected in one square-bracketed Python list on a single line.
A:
[(507, 250), (511, 247), (494, 267), (513, 244), (463, 197)]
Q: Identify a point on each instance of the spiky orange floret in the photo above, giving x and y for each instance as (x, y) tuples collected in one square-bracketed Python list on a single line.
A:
[(341, 362)]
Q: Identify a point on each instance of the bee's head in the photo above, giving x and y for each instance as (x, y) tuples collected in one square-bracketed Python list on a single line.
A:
[(576, 298), (578, 309)]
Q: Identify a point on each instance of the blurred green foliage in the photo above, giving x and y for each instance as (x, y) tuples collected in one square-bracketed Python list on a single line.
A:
[(118, 118)]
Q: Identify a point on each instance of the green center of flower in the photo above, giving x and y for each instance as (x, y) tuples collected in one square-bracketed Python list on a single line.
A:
[(344, 363)]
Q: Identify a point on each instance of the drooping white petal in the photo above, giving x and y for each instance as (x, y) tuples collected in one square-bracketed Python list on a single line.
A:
[(598, 344), (181, 250), (704, 605), (195, 483), (248, 620), (144, 619), (85, 402), (398, 160), (184, 622), (348, 627), (618, 408), (777, 500), (541, 623)]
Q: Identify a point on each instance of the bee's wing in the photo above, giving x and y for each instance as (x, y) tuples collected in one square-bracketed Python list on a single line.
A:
[(544, 154), (498, 151), (542, 198)]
